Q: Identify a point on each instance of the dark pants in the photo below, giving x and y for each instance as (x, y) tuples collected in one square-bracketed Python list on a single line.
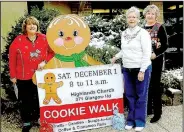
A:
[(155, 91), (29, 103), (136, 93)]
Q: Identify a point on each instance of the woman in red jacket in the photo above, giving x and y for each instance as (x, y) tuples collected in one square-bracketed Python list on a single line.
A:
[(27, 53)]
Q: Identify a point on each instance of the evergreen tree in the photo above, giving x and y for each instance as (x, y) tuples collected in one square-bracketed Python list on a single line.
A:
[(105, 36)]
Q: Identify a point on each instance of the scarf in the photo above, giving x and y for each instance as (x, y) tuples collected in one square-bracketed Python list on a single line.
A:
[(76, 58)]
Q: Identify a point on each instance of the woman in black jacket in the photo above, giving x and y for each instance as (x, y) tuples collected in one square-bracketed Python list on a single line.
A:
[(159, 46)]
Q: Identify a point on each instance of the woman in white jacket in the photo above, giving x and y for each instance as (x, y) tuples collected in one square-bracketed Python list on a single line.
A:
[(135, 53)]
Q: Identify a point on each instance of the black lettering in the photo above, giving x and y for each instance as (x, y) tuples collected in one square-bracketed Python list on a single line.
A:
[(80, 83), (109, 72), (115, 71), (68, 75), (77, 74), (71, 84), (59, 75)]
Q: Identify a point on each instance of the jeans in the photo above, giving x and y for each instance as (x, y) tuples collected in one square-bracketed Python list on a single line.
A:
[(136, 93)]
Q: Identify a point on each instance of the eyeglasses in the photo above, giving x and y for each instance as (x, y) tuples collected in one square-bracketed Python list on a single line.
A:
[(131, 17)]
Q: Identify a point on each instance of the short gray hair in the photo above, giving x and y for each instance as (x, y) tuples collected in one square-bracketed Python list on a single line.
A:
[(152, 7), (133, 9)]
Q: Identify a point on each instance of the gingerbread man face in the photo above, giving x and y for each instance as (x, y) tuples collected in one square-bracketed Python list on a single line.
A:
[(49, 78), (68, 34)]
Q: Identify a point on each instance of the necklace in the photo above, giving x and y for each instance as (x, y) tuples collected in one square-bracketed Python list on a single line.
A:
[(32, 39), (129, 37), (152, 24)]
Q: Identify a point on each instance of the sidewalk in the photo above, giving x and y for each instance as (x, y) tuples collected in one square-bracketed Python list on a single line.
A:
[(171, 121)]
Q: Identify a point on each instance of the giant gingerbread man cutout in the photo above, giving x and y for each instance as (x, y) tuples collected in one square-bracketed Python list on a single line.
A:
[(68, 36)]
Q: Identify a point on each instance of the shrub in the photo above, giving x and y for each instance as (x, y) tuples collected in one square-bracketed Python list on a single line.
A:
[(172, 78), (105, 36)]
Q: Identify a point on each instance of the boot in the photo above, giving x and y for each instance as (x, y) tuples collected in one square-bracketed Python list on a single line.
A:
[(155, 119)]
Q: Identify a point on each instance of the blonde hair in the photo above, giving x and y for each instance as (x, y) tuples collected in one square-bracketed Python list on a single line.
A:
[(152, 7), (133, 9), (29, 20)]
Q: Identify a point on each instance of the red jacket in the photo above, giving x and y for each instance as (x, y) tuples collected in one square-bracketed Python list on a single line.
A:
[(24, 56)]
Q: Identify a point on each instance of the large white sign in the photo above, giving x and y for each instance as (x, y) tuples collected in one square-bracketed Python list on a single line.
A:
[(75, 99)]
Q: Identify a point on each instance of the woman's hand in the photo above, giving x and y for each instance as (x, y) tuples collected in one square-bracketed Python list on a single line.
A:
[(41, 65), (141, 76), (13, 80), (113, 60)]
